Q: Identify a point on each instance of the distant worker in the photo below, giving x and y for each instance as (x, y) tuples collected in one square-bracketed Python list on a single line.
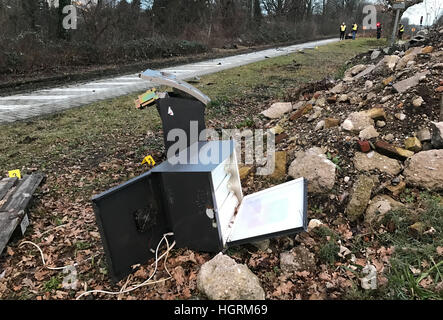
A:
[(401, 30), (342, 31), (378, 30), (354, 30)]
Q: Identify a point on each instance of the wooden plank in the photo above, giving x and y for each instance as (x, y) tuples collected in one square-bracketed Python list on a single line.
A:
[(8, 223), (5, 185), (23, 193), (12, 213)]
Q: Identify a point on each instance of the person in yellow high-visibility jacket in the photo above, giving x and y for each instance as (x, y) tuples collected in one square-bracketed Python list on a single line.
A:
[(401, 30), (354, 30), (342, 31)]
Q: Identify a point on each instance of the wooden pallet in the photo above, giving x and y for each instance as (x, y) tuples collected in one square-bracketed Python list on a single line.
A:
[(15, 195)]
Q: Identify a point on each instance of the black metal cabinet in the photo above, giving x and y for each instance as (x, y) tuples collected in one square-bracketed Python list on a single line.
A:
[(197, 194)]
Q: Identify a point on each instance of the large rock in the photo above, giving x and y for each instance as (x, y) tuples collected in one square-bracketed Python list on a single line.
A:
[(361, 194), (379, 206), (355, 70), (437, 134), (425, 170), (296, 260), (408, 83), (223, 279), (386, 65), (316, 168), (357, 121), (376, 161), (277, 110)]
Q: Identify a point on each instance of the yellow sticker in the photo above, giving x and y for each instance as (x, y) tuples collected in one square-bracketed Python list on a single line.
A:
[(149, 160), (15, 174)]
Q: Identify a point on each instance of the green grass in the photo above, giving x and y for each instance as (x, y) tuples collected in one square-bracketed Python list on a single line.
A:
[(414, 251)]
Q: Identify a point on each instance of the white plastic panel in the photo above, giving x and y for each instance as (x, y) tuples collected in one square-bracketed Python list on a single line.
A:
[(226, 213), (277, 209)]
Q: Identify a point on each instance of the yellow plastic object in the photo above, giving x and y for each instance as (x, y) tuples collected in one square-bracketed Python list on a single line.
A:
[(15, 174), (149, 160)]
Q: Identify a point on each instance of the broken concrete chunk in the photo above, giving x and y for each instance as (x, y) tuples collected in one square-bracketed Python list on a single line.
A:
[(437, 134), (376, 161), (425, 170), (339, 88), (360, 196), (316, 168), (357, 121), (379, 206), (368, 133), (376, 113), (223, 279), (417, 102), (408, 83), (277, 110)]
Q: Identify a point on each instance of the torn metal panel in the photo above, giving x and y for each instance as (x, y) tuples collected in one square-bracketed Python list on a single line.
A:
[(170, 80)]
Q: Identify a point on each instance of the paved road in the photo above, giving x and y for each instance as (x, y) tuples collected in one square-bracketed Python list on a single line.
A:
[(40, 102)]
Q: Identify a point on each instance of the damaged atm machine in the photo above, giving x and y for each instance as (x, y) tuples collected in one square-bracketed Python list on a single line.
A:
[(196, 194)]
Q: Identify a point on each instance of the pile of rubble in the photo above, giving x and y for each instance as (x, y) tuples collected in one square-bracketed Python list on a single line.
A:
[(376, 131), (360, 142)]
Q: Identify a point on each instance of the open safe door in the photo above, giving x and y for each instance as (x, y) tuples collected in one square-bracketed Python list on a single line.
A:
[(276, 211), (131, 223)]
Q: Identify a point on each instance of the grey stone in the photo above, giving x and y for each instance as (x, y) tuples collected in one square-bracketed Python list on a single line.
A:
[(224, 279), (380, 123), (368, 133), (408, 83), (437, 134), (316, 168), (277, 110), (365, 72), (339, 88), (357, 121), (425, 170), (379, 206), (262, 245), (296, 260), (417, 102), (360, 196), (424, 135), (375, 161)]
